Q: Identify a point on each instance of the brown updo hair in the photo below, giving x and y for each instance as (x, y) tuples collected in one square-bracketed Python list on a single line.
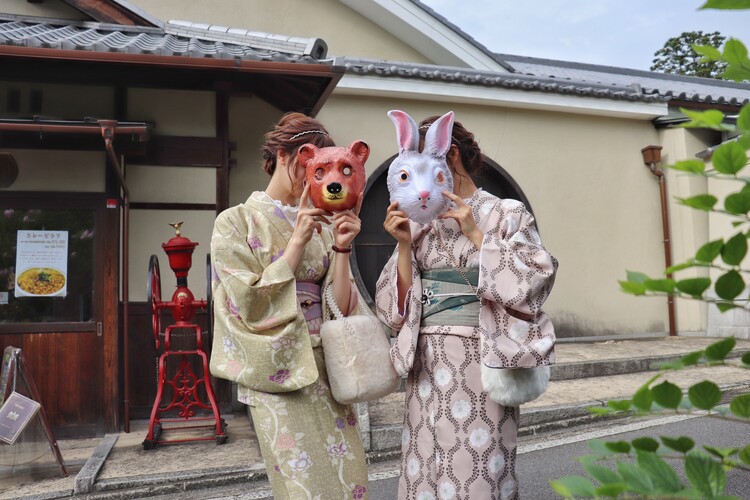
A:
[(471, 155), (280, 138)]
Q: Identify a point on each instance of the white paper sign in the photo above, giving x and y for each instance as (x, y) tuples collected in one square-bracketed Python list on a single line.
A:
[(41, 264)]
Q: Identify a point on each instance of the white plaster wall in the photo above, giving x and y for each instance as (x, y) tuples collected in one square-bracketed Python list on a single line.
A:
[(174, 112), (148, 183), (597, 205), (47, 170), (148, 230), (345, 31)]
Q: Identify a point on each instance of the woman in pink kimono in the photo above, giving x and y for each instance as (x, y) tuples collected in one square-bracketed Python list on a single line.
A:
[(465, 294), (271, 257)]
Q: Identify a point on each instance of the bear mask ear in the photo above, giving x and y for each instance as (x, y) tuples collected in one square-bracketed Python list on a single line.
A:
[(306, 152), (360, 150)]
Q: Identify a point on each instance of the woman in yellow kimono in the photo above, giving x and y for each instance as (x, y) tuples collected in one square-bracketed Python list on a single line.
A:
[(271, 257)]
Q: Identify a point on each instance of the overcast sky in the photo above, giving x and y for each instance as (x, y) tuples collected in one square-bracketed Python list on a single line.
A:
[(623, 33)]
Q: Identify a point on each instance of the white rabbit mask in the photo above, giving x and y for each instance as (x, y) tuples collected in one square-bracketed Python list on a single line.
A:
[(416, 179)]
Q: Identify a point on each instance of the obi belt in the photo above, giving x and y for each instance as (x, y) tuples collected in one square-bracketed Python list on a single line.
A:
[(447, 299), (308, 296)]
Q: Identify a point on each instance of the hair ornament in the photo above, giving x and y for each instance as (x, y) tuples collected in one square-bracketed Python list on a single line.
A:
[(295, 136)]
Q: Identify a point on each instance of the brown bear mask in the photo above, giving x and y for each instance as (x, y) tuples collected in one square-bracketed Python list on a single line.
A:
[(336, 175)]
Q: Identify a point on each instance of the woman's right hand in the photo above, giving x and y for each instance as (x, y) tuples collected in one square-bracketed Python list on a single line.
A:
[(397, 224), (309, 220)]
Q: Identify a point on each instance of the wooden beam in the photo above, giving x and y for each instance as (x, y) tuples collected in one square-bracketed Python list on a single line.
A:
[(108, 12), (180, 151)]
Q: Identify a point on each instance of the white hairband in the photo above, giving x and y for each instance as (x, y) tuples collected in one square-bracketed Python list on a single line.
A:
[(321, 132)]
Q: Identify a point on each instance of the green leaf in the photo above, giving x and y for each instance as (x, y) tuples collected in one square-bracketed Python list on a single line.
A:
[(636, 277), (573, 486), (721, 452), (635, 477), (663, 477), (682, 444), (692, 166), (619, 405), (718, 350), (664, 285), (743, 120), (685, 265), (612, 490), (643, 399), (726, 4), (598, 410), (736, 73), (705, 474), (633, 288), (618, 446), (704, 395), (740, 406), (603, 474), (738, 203), (667, 394), (729, 158), (734, 249), (709, 52), (729, 285), (726, 306), (599, 447), (694, 286), (701, 202), (744, 455), (735, 52), (709, 251), (692, 358), (746, 358), (645, 444), (711, 118)]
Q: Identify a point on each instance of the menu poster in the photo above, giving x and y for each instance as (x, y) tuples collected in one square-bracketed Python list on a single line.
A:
[(41, 263), (15, 415)]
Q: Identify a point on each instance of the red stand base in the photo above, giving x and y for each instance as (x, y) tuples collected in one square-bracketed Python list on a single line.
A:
[(186, 399)]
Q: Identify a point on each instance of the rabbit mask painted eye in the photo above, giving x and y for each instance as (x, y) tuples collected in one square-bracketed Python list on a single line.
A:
[(416, 178)]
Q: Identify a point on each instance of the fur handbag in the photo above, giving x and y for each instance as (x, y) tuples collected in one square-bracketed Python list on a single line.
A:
[(357, 354), (514, 386)]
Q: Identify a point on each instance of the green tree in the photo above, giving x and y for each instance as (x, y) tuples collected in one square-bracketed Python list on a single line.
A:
[(679, 57), (640, 469)]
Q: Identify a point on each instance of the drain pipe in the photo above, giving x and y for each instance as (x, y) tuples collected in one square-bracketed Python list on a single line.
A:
[(109, 129), (652, 156)]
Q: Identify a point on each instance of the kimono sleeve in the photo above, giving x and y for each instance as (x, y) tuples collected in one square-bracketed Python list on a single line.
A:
[(263, 297), (406, 322), (515, 270)]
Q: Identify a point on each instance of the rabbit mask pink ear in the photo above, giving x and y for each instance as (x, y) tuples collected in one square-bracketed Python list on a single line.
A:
[(407, 132), (437, 140)]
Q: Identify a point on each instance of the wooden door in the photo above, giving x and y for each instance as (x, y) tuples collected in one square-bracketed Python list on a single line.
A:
[(68, 339)]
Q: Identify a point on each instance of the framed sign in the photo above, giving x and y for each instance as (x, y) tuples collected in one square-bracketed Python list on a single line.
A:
[(15, 415), (41, 263)]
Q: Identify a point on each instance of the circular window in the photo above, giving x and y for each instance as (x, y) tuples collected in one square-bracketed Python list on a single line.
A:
[(374, 246)]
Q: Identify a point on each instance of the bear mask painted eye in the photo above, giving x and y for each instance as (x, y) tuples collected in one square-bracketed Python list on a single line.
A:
[(347, 171), (319, 173), (403, 176)]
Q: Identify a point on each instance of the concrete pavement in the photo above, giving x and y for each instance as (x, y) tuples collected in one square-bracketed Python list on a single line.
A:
[(586, 374)]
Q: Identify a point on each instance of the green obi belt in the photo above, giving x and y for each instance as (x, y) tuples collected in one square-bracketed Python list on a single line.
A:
[(447, 300)]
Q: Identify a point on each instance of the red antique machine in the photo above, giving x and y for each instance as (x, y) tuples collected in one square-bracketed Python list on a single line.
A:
[(185, 385)]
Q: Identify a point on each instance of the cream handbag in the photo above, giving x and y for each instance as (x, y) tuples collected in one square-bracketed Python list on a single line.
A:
[(357, 354)]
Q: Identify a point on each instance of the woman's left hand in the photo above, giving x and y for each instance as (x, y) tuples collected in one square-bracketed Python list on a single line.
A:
[(465, 218), (346, 225)]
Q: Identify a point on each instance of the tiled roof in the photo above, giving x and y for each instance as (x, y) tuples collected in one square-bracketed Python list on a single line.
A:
[(391, 69), (687, 88), (176, 39), (704, 90)]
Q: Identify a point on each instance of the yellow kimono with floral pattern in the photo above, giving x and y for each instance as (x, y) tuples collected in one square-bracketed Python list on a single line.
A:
[(310, 443)]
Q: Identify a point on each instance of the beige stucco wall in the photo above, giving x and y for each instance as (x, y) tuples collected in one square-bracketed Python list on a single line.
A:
[(348, 33), (46, 170), (48, 8), (148, 230), (597, 205)]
